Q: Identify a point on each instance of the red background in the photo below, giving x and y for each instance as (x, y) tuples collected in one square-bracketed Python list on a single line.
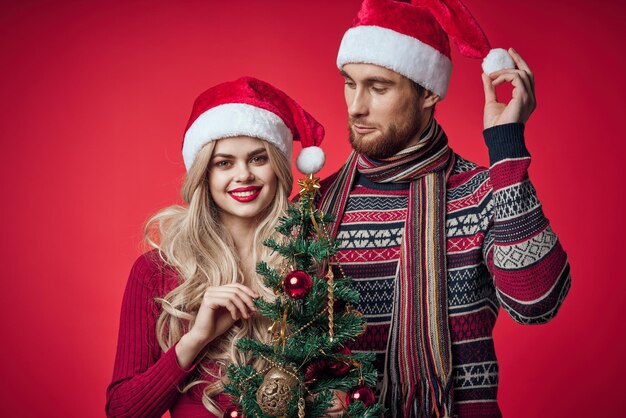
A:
[(95, 96)]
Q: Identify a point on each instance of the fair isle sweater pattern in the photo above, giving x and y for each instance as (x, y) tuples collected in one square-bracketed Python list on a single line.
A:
[(501, 252)]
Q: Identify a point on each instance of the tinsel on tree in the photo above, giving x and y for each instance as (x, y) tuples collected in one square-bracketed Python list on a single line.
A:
[(312, 321)]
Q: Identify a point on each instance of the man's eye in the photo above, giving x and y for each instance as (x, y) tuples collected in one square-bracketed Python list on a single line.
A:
[(350, 84), (379, 90)]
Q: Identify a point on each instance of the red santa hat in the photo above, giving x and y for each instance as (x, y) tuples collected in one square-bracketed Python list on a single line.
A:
[(251, 107), (411, 38)]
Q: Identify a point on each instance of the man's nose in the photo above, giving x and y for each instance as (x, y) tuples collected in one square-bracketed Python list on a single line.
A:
[(357, 104)]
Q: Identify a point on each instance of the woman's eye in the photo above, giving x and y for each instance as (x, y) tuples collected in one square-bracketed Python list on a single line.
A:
[(222, 164), (259, 159)]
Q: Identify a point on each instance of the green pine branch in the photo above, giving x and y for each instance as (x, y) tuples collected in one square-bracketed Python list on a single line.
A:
[(308, 342)]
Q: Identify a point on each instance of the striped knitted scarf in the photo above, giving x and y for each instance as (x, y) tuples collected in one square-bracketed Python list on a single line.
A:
[(417, 380)]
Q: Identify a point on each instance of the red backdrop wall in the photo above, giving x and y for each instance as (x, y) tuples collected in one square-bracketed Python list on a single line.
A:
[(95, 96)]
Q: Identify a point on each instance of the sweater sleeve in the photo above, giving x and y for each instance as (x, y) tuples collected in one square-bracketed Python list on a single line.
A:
[(145, 380), (530, 268)]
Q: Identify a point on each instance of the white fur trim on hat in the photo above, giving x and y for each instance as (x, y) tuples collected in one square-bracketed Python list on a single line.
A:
[(236, 119), (497, 59), (403, 54), (310, 160)]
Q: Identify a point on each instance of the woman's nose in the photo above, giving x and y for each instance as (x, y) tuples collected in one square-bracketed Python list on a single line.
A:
[(244, 174)]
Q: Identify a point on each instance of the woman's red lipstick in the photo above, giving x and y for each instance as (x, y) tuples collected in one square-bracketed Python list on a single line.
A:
[(245, 194)]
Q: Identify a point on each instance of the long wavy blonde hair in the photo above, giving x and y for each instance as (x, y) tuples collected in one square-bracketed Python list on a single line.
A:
[(192, 240)]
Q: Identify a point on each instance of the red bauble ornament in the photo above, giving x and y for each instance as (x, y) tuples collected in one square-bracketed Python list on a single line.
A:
[(315, 369), (297, 284), (340, 368), (233, 412), (360, 393)]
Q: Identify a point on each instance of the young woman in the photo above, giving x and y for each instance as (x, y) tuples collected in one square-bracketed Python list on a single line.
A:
[(190, 299)]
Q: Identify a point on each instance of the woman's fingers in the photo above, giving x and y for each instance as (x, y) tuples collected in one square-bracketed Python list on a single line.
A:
[(244, 288), (221, 306), (244, 293), (239, 305)]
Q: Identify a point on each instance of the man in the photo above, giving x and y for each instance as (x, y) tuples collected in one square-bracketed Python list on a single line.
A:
[(436, 244)]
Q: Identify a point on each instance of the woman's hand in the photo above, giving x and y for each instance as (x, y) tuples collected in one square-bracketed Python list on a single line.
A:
[(221, 307)]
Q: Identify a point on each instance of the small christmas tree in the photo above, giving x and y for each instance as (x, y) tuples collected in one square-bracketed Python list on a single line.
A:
[(312, 320)]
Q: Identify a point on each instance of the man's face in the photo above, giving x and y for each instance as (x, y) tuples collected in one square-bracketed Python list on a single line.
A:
[(384, 110)]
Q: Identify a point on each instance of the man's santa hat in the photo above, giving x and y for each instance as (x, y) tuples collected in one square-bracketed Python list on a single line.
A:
[(411, 38), (251, 107)]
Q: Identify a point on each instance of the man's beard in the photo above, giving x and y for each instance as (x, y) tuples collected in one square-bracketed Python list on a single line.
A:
[(386, 144)]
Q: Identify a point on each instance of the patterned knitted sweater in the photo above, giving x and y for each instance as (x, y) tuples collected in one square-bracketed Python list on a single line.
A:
[(501, 252)]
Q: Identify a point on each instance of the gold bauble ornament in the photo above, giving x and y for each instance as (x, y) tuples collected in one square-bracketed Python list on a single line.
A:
[(276, 391)]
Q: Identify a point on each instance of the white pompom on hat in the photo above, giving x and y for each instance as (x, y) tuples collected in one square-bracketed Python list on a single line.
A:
[(497, 59), (412, 39), (254, 108), (310, 160)]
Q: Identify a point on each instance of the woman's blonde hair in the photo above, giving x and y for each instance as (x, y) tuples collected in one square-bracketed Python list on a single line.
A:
[(192, 240)]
